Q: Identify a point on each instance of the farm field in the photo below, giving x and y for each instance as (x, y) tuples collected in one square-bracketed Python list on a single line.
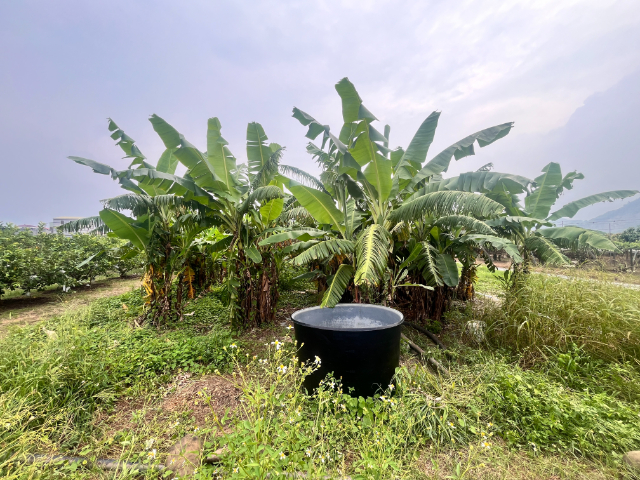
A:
[(20, 310), (192, 368), (110, 389)]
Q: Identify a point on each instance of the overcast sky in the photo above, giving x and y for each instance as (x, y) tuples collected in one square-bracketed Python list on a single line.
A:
[(68, 65)]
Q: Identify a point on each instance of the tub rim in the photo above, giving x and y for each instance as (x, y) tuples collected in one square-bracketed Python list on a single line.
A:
[(361, 329)]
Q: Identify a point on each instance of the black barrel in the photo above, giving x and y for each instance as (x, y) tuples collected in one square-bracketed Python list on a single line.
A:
[(359, 343)]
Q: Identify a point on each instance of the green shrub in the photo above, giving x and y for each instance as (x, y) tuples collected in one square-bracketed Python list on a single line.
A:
[(34, 262)]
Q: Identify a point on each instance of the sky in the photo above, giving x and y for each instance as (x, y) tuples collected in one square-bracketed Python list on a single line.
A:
[(554, 68)]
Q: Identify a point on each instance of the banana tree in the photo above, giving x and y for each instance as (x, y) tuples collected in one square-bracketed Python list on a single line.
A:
[(530, 225), (168, 212), (249, 201), (363, 184), (241, 200)]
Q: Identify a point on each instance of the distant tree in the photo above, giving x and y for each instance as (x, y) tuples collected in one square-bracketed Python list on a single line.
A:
[(630, 235)]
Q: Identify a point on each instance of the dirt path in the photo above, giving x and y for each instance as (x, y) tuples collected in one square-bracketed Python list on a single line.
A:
[(42, 305)]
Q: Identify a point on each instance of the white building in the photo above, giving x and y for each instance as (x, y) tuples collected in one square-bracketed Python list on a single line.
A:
[(59, 221)]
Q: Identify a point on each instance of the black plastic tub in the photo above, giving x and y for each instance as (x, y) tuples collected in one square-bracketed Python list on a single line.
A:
[(359, 343)]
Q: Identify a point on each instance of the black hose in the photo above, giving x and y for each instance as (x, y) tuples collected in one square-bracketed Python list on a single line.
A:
[(431, 336), (103, 463)]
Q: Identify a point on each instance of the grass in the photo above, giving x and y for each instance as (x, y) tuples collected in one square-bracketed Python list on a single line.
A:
[(599, 317), (56, 376), (103, 387)]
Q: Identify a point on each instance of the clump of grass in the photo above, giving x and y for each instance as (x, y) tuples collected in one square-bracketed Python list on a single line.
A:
[(548, 311)]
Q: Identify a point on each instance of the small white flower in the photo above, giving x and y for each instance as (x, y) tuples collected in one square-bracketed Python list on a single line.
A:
[(233, 345), (277, 344), (282, 369), (289, 327), (152, 453), (236, 470), (149, 443), (317, 361), (308, 452), (282, 456), (391, 387)]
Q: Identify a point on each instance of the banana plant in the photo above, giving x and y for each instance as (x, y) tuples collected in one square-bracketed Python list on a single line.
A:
[(249, 200), (243, 201), (364, 183), (530, 225)]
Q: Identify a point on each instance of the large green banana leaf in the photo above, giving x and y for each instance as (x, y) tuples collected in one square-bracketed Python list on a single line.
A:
[(378, 168), (126, 143), (427, 264), (545, 250), (337, 286), (315, 128), (508, 220), (576, 238), (352, 109), (200, 170), (463, 148), (469, 224), (481, 182), (545, 194), (497, 242), (219, 156), (300, 235), (447, 203), (165, 183), (258, 151), (167, 162), (567, 181), (372, 253), (101, 168), (319, 205), (448, 269), (416, 153), (571, 208), (272, 209), (97, 167), (169, 135), (325, 250), (123, 227)]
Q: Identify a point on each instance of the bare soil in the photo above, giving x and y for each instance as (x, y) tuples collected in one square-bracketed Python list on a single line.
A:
[(26, 310), (186, 403)]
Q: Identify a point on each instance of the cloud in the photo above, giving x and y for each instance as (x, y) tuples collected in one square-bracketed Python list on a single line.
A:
[(71, 64)]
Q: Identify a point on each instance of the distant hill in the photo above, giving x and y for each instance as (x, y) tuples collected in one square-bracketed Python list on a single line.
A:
[(624, 217), (615, 221)]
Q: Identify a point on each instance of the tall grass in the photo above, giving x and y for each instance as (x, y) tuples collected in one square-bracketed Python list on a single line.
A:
[(547, 311)]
